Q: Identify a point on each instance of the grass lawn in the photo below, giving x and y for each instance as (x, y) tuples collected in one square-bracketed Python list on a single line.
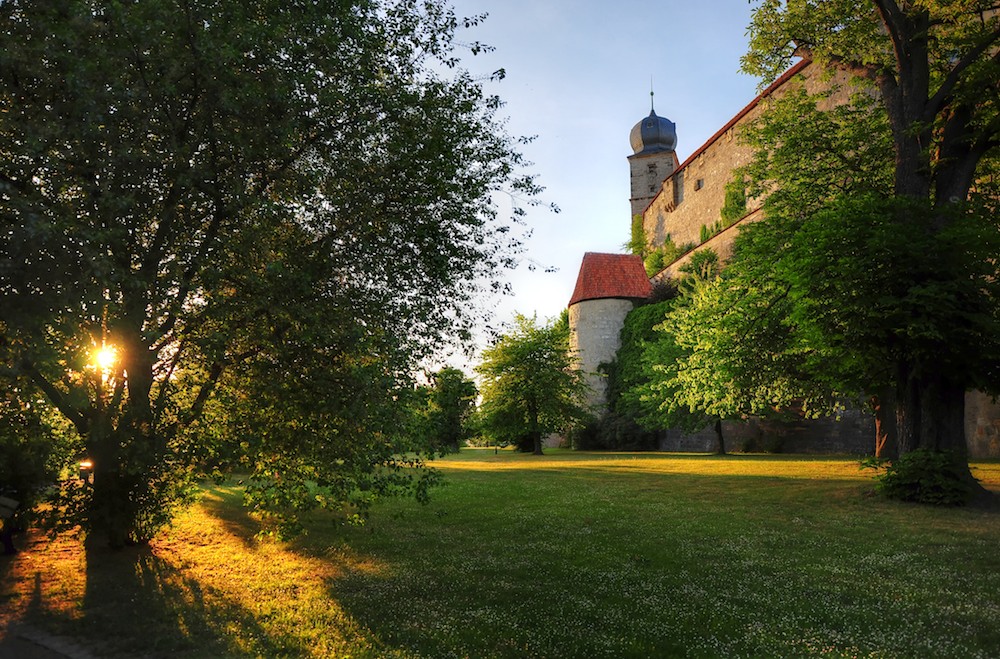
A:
[(568, 555)]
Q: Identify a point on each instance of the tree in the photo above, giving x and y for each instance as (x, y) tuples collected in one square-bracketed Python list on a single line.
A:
[(738, 350), (647, 380), (269, 212), (452, 398), (529, 386), (935, 69), (32, 451), (630, 424), (816, 319)]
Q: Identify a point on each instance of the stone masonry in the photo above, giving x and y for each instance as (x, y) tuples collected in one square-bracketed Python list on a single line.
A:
[(691, 195)]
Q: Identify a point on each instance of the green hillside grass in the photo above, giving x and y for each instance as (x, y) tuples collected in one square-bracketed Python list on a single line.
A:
[(567, 555)]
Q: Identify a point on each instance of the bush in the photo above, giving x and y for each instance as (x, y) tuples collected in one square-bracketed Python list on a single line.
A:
[(925, 476), (614, 433)]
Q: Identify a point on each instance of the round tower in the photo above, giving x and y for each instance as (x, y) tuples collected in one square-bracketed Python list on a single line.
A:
[(607, 288), (653, 140)]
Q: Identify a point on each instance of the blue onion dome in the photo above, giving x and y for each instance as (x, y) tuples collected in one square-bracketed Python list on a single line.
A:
[(653, 134)]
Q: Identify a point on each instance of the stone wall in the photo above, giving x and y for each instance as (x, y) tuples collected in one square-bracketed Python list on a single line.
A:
[(696, 192), (594, 329), (721, 243), (852, 434), (694, 195), (647, 175)]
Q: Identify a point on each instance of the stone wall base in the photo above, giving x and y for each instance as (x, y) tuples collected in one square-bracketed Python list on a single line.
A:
[(852, 434)]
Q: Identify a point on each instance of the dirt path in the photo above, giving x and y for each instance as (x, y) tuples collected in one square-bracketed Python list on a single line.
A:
[(23, 642)]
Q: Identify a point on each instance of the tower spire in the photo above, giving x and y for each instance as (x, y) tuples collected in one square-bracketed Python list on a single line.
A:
[(653, 158)]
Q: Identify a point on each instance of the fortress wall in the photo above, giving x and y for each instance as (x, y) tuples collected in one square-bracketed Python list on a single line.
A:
[(647, 175), (852, 434), (721, 243), (595, 326), (695, 194)]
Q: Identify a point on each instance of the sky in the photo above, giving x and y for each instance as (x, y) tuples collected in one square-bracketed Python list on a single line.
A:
[(578, 77)]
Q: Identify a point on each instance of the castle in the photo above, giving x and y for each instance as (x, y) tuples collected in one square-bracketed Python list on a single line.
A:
[(678, 201)]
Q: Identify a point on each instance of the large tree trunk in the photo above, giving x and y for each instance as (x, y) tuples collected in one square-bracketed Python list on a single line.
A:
[(718, 436), (536, 433), (930, 415), (884, 405), (537, 437), (110, 498), (124, 449)]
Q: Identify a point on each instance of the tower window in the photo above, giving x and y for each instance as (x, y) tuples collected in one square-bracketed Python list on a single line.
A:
[(699, 184)]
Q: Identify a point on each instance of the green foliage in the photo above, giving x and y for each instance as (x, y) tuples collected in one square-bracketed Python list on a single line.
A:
[(733, 209), (613, 432), (804, 156), (735, 205), (814, 309), (707, 232), (529, 385), (722, 362), (884, 301), (663, 289), (654, 262), (561, 324), (451, 402), (945, 37), (642, 380), (275, 222), (827, 28), (700, 270), (638, 243), (658, 258), (33, 450), (924, 476), (629, 374)]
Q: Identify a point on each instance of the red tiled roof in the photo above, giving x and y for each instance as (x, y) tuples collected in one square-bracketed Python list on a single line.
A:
[(611, 276)]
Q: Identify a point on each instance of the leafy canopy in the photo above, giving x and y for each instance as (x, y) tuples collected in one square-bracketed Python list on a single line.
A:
[(872, 270), (529, 385), (451, 401), (273, 211)]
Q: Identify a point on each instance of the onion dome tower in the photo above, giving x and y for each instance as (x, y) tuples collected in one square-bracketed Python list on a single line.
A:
[(653, 159)]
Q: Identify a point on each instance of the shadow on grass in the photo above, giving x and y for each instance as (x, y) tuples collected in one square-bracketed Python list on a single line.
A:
[(155, 608), (139, 601), (589, 557), (470, 575), (127, 603)]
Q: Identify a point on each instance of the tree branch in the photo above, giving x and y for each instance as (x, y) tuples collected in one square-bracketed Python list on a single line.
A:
[(940, 98), (187, 278), (57, 397), (208, 386), (894, 21)]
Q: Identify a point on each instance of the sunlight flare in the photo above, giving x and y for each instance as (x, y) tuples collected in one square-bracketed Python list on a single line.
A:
[(104, 358)]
